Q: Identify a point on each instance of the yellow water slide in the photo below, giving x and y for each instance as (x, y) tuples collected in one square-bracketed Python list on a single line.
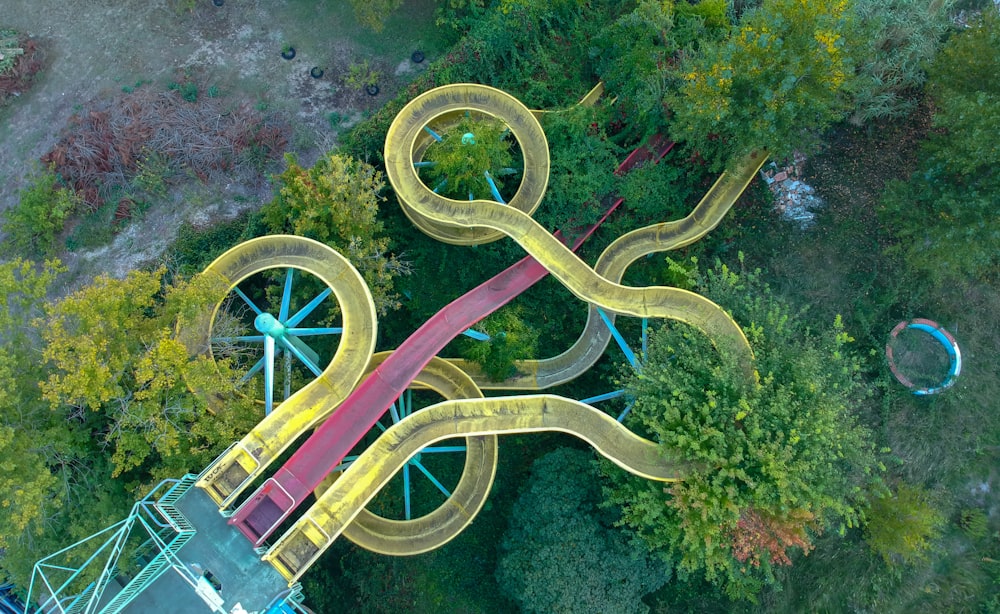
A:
[(612, 264), (335, 510), (342, 504), (407, 133), (233, 471)]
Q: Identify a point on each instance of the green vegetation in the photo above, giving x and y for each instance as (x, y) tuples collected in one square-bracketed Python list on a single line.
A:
[(790, 507), (511, 339), (901, 528), (899, 38), (9, 50), (373, 13), (97, 388), (473, 147), (944, 215), (779, 78), (40, 214), (783, 457), (562, 553), (361, 75), (336, 202)]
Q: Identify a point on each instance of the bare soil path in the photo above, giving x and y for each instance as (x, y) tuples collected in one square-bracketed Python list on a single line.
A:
[(94, 48)]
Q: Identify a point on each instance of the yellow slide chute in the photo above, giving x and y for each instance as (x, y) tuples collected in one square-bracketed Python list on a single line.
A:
[(340, 509), (233, 471)]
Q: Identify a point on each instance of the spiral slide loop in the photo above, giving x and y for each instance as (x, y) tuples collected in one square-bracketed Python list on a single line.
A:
[(232, 472)]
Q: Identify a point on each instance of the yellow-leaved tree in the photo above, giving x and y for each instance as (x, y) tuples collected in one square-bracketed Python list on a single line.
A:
[(783, 74)]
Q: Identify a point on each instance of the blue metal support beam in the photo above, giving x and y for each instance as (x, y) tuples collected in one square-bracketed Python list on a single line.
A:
[(603, 397), (494, 189), (475, 334), (629, 354)]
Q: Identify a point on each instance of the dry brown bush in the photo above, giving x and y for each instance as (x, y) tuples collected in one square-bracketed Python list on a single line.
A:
[(102, 149), (18, 79)]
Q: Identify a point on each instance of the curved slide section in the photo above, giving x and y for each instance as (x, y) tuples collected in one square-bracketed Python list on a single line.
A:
[(576, 275), (229, 474), (451, 102), (611, 265), (396, 537), (299, 547)]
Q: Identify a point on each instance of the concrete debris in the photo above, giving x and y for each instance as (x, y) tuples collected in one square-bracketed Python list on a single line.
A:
[(794, 199)]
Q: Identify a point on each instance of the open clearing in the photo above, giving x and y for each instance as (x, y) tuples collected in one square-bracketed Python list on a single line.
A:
[(95, 48)]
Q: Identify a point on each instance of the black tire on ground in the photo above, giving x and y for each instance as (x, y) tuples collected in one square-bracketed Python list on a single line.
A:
[(417, 57), (288, 53), (371, 90)]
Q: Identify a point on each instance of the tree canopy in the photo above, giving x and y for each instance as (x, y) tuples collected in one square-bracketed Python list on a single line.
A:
[(336, 202), (784, 457), (944, 216), (562, 554), (781, 75), (97, 403)]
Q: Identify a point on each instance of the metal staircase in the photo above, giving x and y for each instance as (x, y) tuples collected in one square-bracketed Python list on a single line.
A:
[(167, 531)]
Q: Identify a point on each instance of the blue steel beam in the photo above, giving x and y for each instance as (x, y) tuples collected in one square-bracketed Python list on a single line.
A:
[(305, 311), (629, 354)]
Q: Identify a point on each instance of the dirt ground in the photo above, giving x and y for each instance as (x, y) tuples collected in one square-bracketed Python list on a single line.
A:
[(94, 48)]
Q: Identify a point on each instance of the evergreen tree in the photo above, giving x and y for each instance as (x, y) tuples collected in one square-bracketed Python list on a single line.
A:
[(562, 554)]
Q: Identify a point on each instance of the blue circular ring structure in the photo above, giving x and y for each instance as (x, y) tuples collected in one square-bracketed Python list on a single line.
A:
[(940, 335)]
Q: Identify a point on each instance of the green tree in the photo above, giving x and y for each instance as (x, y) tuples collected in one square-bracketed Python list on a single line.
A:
[(783, 455), (901, 527), (373, 13), (49, 466), (635, 52), (561, 552), (780, 77), (39, 215), (511, 339), (26, 486), (336, 202), (473, 147), (945, 215), (112, 350), (580, 177)]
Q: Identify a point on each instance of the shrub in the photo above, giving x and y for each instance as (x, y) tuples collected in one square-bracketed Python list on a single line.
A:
[(39, 215), (9, 50), (103, 149), (336, 201), (511, 339), (975, 523), (20, 60), (900, 37), (361, 75), (901, 528), (461, 162), (944, 217)]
